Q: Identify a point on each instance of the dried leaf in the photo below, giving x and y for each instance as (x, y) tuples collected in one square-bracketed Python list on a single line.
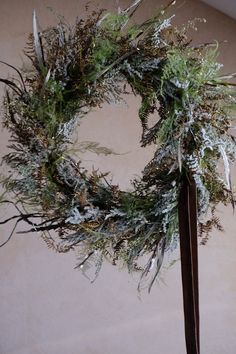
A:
[(37, 43)]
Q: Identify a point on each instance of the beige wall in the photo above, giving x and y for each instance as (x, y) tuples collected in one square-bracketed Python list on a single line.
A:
[(48, 307)]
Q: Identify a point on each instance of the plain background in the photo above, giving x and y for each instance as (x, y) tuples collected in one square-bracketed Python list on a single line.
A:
[(48, 307)]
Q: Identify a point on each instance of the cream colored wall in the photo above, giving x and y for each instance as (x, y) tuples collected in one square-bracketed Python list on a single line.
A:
[(48, 307)]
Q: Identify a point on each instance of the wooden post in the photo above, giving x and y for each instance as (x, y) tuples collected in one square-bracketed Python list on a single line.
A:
[(189, 262)]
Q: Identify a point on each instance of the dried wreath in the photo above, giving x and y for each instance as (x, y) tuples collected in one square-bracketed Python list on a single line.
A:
[(78, 68)]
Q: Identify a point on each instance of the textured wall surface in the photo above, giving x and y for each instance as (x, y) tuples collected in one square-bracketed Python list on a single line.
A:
[(48, 307)]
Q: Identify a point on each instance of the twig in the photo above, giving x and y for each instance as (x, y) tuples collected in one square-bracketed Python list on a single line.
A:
[(18, 72), (11, 234)]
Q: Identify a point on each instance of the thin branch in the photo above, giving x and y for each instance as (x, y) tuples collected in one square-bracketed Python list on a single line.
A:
[(135, 4), (43, 228), (11, 234), (18, 72), (9, 219), (80, 265), (116, 62), (12, 85)]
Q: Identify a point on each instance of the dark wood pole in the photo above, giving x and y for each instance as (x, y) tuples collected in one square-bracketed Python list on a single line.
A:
[(189, 262)]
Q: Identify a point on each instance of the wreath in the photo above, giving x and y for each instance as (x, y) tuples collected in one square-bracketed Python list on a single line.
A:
[(79, 68)]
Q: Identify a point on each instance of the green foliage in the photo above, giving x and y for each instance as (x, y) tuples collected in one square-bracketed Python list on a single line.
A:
[(188, 70), (147, 107), (102, 52), (133, 204), (112, 24)]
